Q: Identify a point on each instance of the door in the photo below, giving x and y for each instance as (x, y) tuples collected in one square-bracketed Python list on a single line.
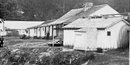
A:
[(80, 41)]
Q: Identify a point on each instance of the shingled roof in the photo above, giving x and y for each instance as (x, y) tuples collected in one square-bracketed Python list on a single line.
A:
[(74, 14), (68, 16), (98, 23), (92, 10), (47, 22), (42, 24), (86, 29)]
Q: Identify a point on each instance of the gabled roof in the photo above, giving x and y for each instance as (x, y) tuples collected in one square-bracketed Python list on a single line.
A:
[(42, 24), (74, 14), (67, 16), (92, 10), (98, 23), (47, 22), (36, 26), (86, 29), (71, 13)]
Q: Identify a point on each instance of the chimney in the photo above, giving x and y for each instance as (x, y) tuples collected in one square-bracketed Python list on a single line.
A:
[(87, 5)]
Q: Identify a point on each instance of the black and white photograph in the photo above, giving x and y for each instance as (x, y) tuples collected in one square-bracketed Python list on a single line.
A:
[(64, 32)]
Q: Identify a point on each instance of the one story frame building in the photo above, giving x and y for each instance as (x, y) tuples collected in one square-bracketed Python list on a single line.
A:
[(95, 33), (41, 30), (20, 26), (84, 12), (44, 29), (2, 28)]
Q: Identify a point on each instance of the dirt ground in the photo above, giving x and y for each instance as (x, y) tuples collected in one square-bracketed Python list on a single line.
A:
[(36, 52), (15, 40)]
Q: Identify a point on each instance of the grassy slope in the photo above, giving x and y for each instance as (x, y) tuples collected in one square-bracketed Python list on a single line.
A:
[(112, 57)]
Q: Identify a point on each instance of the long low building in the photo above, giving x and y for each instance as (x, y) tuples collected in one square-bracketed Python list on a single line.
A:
[(20, 26), (42, 30)]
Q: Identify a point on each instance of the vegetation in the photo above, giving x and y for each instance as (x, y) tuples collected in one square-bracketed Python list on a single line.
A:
[(49, 9), (42, 57), (10, 54)]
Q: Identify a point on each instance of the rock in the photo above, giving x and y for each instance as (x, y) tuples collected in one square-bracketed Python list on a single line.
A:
[(13, 51), (44, 54)]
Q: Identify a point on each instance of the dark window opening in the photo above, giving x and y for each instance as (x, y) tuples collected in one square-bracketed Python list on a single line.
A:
[(65, 24), (108, 33), (101, 28)]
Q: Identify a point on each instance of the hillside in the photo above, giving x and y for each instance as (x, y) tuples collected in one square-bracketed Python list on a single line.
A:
[(50, 9)]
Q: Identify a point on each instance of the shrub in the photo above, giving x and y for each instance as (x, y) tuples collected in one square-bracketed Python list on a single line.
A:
[(71, 58), (24, 37), (34, 37), (99, 50)]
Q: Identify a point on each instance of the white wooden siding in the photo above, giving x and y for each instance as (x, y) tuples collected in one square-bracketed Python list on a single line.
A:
[(86, 40), (105, 10), (105, 41), (50, 30), (69, 37), (54, 31), (42, 31), (38, 32), (32, 32), (80, 41)]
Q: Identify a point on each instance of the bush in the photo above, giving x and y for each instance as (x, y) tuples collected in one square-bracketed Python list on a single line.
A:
[(99, 50), (24, 37), (71, 58), (39, 38), (69, 46), (19, 58), (35, 37), (40, 57)]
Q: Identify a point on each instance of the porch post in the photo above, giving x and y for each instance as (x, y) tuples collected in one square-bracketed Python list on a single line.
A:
[(53, 41), (52, 31), (29, 31), (40, 31), (45, 31), (129, 45)]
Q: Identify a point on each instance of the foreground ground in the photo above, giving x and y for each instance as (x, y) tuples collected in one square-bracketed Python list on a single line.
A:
[(36, 52)]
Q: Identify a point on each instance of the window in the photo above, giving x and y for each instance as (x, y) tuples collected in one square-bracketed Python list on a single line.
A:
[(108, 33)]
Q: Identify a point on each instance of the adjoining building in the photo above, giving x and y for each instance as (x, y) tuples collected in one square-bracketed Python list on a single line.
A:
[(20, 26), (75, 14), (2, 28), (41, 30), (92, 33)]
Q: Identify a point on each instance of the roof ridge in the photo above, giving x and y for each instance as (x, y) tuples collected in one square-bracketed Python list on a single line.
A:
[(76, 8), (92, 6), (100, 5)]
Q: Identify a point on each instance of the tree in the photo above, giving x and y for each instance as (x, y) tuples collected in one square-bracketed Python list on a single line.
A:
[(50, 9)]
